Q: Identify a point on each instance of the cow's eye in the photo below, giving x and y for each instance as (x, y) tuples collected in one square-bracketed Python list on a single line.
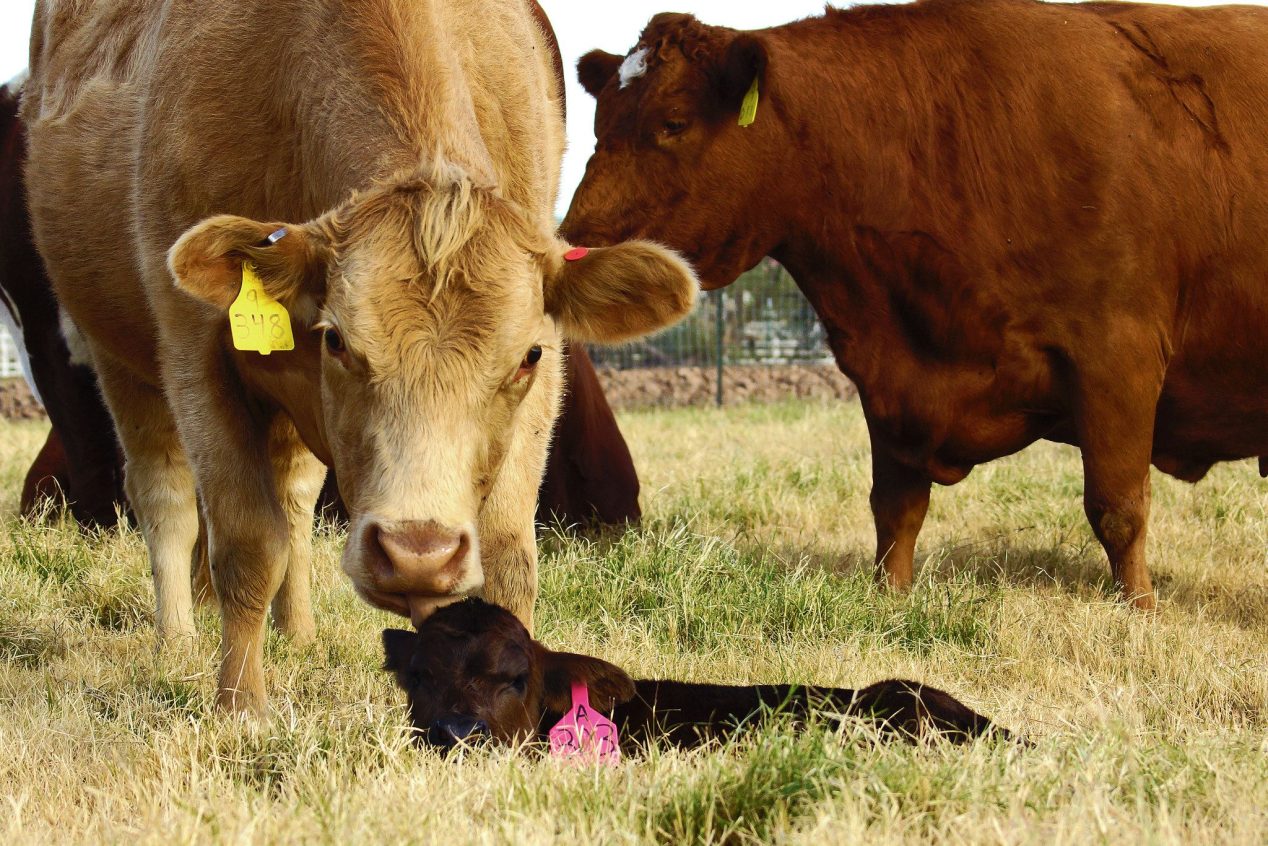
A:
[(334, 341), (674, 126), (518, 685), (531, 358)]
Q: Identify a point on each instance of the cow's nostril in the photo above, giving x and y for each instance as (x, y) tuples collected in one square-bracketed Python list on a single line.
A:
[(420, 557), (448, 732)]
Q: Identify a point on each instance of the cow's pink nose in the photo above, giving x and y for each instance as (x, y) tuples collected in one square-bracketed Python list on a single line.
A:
[(421, 557)]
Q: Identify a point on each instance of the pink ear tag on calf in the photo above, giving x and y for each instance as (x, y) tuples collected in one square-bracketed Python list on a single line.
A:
[(584, 732), (576, 254)]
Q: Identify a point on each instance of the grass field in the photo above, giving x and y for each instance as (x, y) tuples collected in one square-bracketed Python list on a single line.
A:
[(752, 565)]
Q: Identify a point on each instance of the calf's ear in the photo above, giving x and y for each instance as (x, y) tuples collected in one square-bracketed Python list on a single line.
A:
[(595, 68), (609, 685), (614, 294), (399, 647), (290, 260)]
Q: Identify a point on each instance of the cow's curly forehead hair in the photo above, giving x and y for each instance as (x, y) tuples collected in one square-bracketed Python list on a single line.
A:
[(452, 220), (674, 31)]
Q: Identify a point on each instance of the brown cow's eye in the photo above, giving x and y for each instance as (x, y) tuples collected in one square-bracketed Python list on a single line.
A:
[(519, 685), (674, 126), (334, 341)]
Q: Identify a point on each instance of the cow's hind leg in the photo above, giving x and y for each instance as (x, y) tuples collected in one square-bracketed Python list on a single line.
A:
[(298, 476), (1116, 427), (900, 500), (161, 490)]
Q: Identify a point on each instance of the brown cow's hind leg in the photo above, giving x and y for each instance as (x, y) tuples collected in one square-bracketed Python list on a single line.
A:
[(1116, 436), (161, 491), (900, 500)]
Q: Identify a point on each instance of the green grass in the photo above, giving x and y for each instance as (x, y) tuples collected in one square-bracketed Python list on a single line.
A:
[(753, 565)]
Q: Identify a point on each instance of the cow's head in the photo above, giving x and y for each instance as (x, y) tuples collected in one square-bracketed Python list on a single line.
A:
[(433, 310), (671, 161), (473, 670)]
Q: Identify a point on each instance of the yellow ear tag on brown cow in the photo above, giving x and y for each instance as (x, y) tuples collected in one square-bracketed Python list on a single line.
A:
[(748, 109), (259, 323)]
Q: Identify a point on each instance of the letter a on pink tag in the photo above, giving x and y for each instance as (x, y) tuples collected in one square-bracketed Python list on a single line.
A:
[(584, 732)]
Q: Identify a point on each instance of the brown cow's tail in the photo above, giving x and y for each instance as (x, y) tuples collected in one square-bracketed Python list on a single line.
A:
[(917, 710)]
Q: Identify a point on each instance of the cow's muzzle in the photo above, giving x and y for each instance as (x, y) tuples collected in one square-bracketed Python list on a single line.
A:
[(449, 732), (414, 567)]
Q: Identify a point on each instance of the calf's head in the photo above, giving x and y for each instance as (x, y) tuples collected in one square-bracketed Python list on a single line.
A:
[(671, 162), (427, 312), (473, 670)]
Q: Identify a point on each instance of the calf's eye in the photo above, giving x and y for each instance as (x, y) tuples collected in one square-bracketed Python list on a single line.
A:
[(519, 685), (534, 355)]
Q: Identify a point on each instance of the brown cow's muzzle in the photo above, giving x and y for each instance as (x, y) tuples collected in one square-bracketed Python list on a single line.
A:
[(413, 567)]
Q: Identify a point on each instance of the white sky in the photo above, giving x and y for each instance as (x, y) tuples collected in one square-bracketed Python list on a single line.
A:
[(581, 26)]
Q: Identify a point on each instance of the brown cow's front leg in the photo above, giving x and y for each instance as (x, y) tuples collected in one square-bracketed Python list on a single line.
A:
[(1116, 425), (900, 499)]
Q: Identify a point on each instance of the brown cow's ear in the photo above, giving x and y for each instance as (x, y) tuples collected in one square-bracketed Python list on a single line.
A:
[(743, 61), (614, 294), (609, 685), (399, 647), (595, 68), (207, 262)]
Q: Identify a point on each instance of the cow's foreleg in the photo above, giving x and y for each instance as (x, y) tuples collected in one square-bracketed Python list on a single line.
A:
[(298, 476), (900, 499), (161, 489)]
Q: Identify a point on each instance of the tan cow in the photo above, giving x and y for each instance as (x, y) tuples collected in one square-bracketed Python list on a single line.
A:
[(389, 169)]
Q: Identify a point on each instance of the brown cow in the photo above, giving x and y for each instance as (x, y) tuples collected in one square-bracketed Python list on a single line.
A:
[(80, 461), (473, 670), (421, 142), (1016, 221)]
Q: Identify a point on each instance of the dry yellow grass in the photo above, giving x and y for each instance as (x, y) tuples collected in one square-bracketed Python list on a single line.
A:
[(752, 566)]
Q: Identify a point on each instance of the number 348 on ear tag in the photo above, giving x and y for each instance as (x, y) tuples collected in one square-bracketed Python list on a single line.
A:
[(259, 323)]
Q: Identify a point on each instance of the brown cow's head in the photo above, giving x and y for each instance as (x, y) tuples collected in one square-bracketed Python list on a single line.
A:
[(671, 162), (472, 669), (433, 310)]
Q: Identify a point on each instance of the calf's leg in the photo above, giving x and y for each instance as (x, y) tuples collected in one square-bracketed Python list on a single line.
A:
[(900, 500), (161, 489)]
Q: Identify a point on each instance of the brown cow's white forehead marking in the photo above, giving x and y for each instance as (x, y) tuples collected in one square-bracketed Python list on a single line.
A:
[(634, 66)]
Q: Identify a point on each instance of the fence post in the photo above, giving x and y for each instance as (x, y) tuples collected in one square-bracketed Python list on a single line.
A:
[(720, 331)]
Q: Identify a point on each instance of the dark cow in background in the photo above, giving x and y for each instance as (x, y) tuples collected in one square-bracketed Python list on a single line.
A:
[(473, 670), (1016, 221), (80, 460), (590, 476)]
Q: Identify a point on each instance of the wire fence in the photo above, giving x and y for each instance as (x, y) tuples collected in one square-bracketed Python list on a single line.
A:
[(760, 319)]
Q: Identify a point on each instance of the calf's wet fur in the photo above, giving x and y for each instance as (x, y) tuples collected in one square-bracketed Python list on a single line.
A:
[(473, 671)]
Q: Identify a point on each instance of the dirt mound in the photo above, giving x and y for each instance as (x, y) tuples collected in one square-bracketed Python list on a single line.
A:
[(17, 402), (672, 387)]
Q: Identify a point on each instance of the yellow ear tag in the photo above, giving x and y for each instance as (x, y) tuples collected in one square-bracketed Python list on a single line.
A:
[(748, 109), (258, 321)]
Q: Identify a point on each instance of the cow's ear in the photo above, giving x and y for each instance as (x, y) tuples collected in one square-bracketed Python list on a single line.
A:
[(609, 685), (613, 294), (291, 261), (595, 68), (399, 647), (743, 61)]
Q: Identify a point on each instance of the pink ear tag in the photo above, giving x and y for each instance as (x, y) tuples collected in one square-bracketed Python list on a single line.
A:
[(584, 732), (576, 254)]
